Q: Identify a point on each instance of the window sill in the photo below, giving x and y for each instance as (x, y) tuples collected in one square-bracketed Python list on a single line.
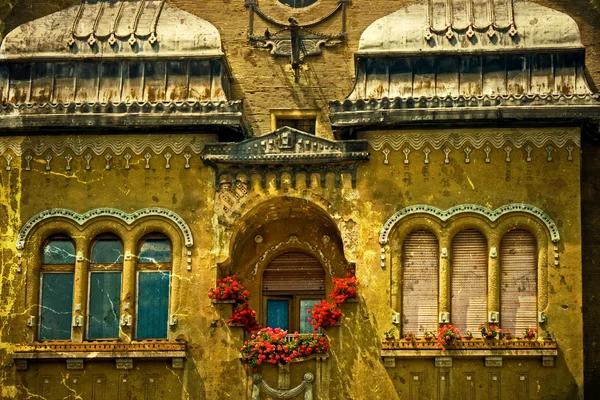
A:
[(475, 347), (101, 349)]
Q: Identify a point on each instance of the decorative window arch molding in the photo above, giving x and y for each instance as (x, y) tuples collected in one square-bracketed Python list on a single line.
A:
[(492, 215), (105, 212)]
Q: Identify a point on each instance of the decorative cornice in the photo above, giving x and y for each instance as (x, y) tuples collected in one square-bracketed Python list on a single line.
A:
[(228, 113), (489, 107), (81, 219), (477, 140), (99, 144), (286, 150), (468, 208)]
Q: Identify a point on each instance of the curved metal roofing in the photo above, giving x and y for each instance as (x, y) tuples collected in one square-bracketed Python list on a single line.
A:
[(439, 26), (114, 29)]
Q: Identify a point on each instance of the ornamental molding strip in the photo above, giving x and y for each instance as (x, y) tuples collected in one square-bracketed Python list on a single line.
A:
[(305, 386), (81, 219), (468, 208), (98, 145), (458, 140)]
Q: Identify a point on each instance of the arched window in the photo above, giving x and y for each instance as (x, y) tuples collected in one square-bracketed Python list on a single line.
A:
[(106, 268), (420, 277), (518, 286), (469, 280), (58, 267), (292, 284), (153, 282)]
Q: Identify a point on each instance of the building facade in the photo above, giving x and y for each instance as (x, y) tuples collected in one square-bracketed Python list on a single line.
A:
[(442, 151)]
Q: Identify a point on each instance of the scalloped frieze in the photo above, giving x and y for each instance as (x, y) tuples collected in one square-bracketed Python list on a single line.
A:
[(492, 215), (81, 219)]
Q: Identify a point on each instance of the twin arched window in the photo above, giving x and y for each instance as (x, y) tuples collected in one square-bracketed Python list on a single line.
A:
[(104, 288), (469, 281)]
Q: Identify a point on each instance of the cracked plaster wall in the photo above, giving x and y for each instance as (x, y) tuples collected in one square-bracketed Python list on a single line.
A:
[(212, 370)]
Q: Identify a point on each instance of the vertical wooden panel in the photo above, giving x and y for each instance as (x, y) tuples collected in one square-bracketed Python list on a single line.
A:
[(565, 73), (20, 82), (104, 305), (64, 82), (470, 76), (415, 386), (150, 387), (494, 386), (42, 79), (177, 80), (517, 74), (518, 286), (153, 304), (124, 393), (468, 386), (401, 77), (469, 280), (46, 386), (443, 386), (154, 81), (424, 77), (494, 75), (110, 82), (133, 80), (542, 74), (420, 277), (98, 387), (377, 78), (447, 76), (87, 82), (3, 83), (522, 386), (57, 306), (200, 80)]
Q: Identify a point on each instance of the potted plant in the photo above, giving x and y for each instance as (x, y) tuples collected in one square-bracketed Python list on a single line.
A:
[(344, 289), (446, 335), (490, 331), (530, 333), (507, 335), (389, 334), (229, 288), (468, 335), (428, 335), (409, 336), (324, 315), (548, 335)]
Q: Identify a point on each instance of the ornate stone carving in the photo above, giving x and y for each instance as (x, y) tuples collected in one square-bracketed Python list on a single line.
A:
[(68, 159), (477, 140), (261, 386), (386, 153), (8, 158), (468, 208), (286, 150), (81, 219)]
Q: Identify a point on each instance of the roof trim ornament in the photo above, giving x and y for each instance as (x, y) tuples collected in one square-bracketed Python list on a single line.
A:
[(468, 208), (81, 219)]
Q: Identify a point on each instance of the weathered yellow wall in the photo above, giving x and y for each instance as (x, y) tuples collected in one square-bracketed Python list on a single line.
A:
[(212, 370)]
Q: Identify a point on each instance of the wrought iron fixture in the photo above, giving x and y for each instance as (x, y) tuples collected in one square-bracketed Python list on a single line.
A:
[(293, 39)]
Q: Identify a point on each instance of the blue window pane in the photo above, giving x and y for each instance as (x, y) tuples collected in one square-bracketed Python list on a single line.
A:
[(107, 251), (155, 251), (305, 305), (59, 252), (153, 305), (105, 301), (57, 305), (278, 314)]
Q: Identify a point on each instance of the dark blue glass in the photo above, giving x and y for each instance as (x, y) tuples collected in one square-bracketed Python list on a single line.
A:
[(153, 305), (105, 302), (155, 251), (278, 312), (107, 251), (59, 252), (57, 306)]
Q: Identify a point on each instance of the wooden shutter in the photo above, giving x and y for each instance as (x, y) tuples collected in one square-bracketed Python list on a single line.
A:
[(294, 272), (518, 286), (469, 280), (420, 277)]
